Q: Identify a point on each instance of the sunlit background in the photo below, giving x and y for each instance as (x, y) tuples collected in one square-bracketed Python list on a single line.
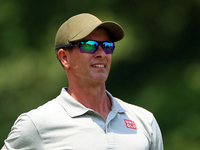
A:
[(156, 66)]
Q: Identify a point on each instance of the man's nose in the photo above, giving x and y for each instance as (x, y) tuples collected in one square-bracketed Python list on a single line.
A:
[(100, 52)]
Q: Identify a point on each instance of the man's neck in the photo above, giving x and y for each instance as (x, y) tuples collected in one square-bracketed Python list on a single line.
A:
[(94, 98)]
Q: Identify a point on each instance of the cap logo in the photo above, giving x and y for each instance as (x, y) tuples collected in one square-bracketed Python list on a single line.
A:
[(130, 124)]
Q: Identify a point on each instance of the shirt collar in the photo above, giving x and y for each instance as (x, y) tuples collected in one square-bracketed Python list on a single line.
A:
[(115, 104), (74, 108)]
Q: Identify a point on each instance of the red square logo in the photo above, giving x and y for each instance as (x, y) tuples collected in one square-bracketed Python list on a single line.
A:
[(130, 124)]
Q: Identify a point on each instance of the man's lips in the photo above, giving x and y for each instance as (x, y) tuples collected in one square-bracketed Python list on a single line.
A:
[(99, 66)]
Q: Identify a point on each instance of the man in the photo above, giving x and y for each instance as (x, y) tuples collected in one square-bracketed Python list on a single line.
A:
[(85, 116)]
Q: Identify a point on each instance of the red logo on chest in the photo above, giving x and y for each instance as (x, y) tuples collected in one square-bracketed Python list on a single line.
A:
[(130, 124)]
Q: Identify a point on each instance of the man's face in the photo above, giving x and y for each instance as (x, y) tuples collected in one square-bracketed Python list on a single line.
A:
[(87, 68)]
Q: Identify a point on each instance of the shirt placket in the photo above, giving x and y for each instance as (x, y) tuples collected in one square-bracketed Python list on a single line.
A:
[(109, 133)]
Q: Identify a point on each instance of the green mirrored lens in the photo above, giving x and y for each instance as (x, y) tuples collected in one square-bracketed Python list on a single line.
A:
[(89, 46)]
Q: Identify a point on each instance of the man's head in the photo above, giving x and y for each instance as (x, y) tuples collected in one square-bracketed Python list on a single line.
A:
[(89, 43)]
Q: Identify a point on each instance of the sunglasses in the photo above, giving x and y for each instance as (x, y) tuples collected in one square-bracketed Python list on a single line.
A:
[(92, 46)]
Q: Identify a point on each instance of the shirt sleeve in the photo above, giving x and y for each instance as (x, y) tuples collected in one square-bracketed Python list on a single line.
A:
[(157, 142), (23, 136)]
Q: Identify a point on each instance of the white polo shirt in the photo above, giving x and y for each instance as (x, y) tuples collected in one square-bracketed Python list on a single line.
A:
[(65, 124)]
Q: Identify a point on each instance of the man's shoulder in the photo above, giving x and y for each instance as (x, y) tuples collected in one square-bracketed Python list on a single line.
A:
[(44, 113), (131, 108), (43, 109), (48, 115), (134, 109)]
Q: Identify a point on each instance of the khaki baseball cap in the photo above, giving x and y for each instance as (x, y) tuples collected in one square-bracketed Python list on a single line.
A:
[(80, 26)]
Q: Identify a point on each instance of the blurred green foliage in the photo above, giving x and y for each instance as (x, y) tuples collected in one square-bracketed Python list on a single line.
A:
[(156, 65)]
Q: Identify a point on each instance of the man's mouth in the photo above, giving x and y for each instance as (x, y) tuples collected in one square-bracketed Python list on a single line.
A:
[(99, 66)]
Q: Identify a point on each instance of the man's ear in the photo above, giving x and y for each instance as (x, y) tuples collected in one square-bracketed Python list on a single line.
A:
[(63, 56)]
